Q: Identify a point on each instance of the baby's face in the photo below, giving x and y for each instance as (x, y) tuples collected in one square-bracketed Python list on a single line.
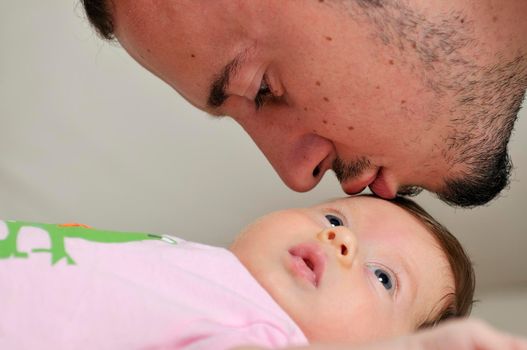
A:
[(352, 270)]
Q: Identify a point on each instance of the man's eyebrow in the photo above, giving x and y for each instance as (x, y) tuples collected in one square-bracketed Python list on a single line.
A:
[(217, 95)]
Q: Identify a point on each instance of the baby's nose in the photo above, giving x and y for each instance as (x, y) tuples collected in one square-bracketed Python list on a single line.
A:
[(344, 242)]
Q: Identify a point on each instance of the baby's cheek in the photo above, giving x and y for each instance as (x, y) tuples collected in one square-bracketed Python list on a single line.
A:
[(326, 327), (352, 322)]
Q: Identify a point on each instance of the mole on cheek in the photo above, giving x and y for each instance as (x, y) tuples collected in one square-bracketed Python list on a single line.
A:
[(324, 121), (305, 109), (326, 99), (317, 83), (390, 62), (377, 87), (495, 19), (403, 102), (328, 38), (351, 128), (192, 55)]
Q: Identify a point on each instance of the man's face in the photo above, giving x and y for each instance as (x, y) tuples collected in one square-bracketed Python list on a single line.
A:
[(311, 82), (344, 275)]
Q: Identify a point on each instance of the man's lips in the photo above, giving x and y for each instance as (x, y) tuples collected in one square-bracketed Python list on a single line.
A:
[(380, 186), (358, 184), (308, 262), (375, 179)]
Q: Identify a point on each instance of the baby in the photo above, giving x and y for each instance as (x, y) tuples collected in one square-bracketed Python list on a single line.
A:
[(349, 271)]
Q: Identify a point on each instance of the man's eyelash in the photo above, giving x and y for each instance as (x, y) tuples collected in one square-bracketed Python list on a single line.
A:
[(263, 95)]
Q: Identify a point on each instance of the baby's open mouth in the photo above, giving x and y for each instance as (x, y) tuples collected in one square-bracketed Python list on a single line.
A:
[(309, 262)]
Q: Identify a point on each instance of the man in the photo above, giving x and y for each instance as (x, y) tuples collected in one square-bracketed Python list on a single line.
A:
[(395, 95)]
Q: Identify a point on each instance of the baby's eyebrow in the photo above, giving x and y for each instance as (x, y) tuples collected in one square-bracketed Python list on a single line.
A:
[(409, 285), (407, 277)]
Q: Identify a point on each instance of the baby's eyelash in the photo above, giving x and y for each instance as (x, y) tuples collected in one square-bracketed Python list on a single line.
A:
[(394, 274), (337, 213)]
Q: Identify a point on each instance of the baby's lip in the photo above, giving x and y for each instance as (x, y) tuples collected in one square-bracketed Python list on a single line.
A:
[(308, 262)]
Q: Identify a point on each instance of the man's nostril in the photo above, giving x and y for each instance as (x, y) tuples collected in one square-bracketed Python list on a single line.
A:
[(316, 171), (331, 236), (343, 250)]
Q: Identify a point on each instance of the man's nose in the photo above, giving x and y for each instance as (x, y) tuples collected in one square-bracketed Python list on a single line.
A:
[(299, 160), (304, 161), (297, 153), (343, 241)]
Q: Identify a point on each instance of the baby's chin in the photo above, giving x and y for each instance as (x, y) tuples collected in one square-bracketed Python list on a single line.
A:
[(237, 242)]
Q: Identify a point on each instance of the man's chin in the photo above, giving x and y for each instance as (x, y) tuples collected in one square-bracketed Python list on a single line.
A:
[(409, 191), (467, 194)]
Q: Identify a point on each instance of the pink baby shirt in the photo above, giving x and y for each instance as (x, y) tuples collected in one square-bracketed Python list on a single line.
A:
[(73, 287)]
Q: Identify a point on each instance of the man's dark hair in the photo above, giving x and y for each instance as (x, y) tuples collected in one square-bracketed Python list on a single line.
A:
[(100, 16)]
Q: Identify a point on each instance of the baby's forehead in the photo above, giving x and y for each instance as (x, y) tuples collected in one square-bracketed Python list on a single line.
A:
[(358, 201), (378, 219), (386, 221), (369, 207)]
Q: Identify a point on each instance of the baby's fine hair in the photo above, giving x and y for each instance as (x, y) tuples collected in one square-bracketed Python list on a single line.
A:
[(457, 304)]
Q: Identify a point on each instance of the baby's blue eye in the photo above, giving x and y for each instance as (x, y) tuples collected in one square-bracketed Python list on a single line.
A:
[(334, 221), (384, 278)]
